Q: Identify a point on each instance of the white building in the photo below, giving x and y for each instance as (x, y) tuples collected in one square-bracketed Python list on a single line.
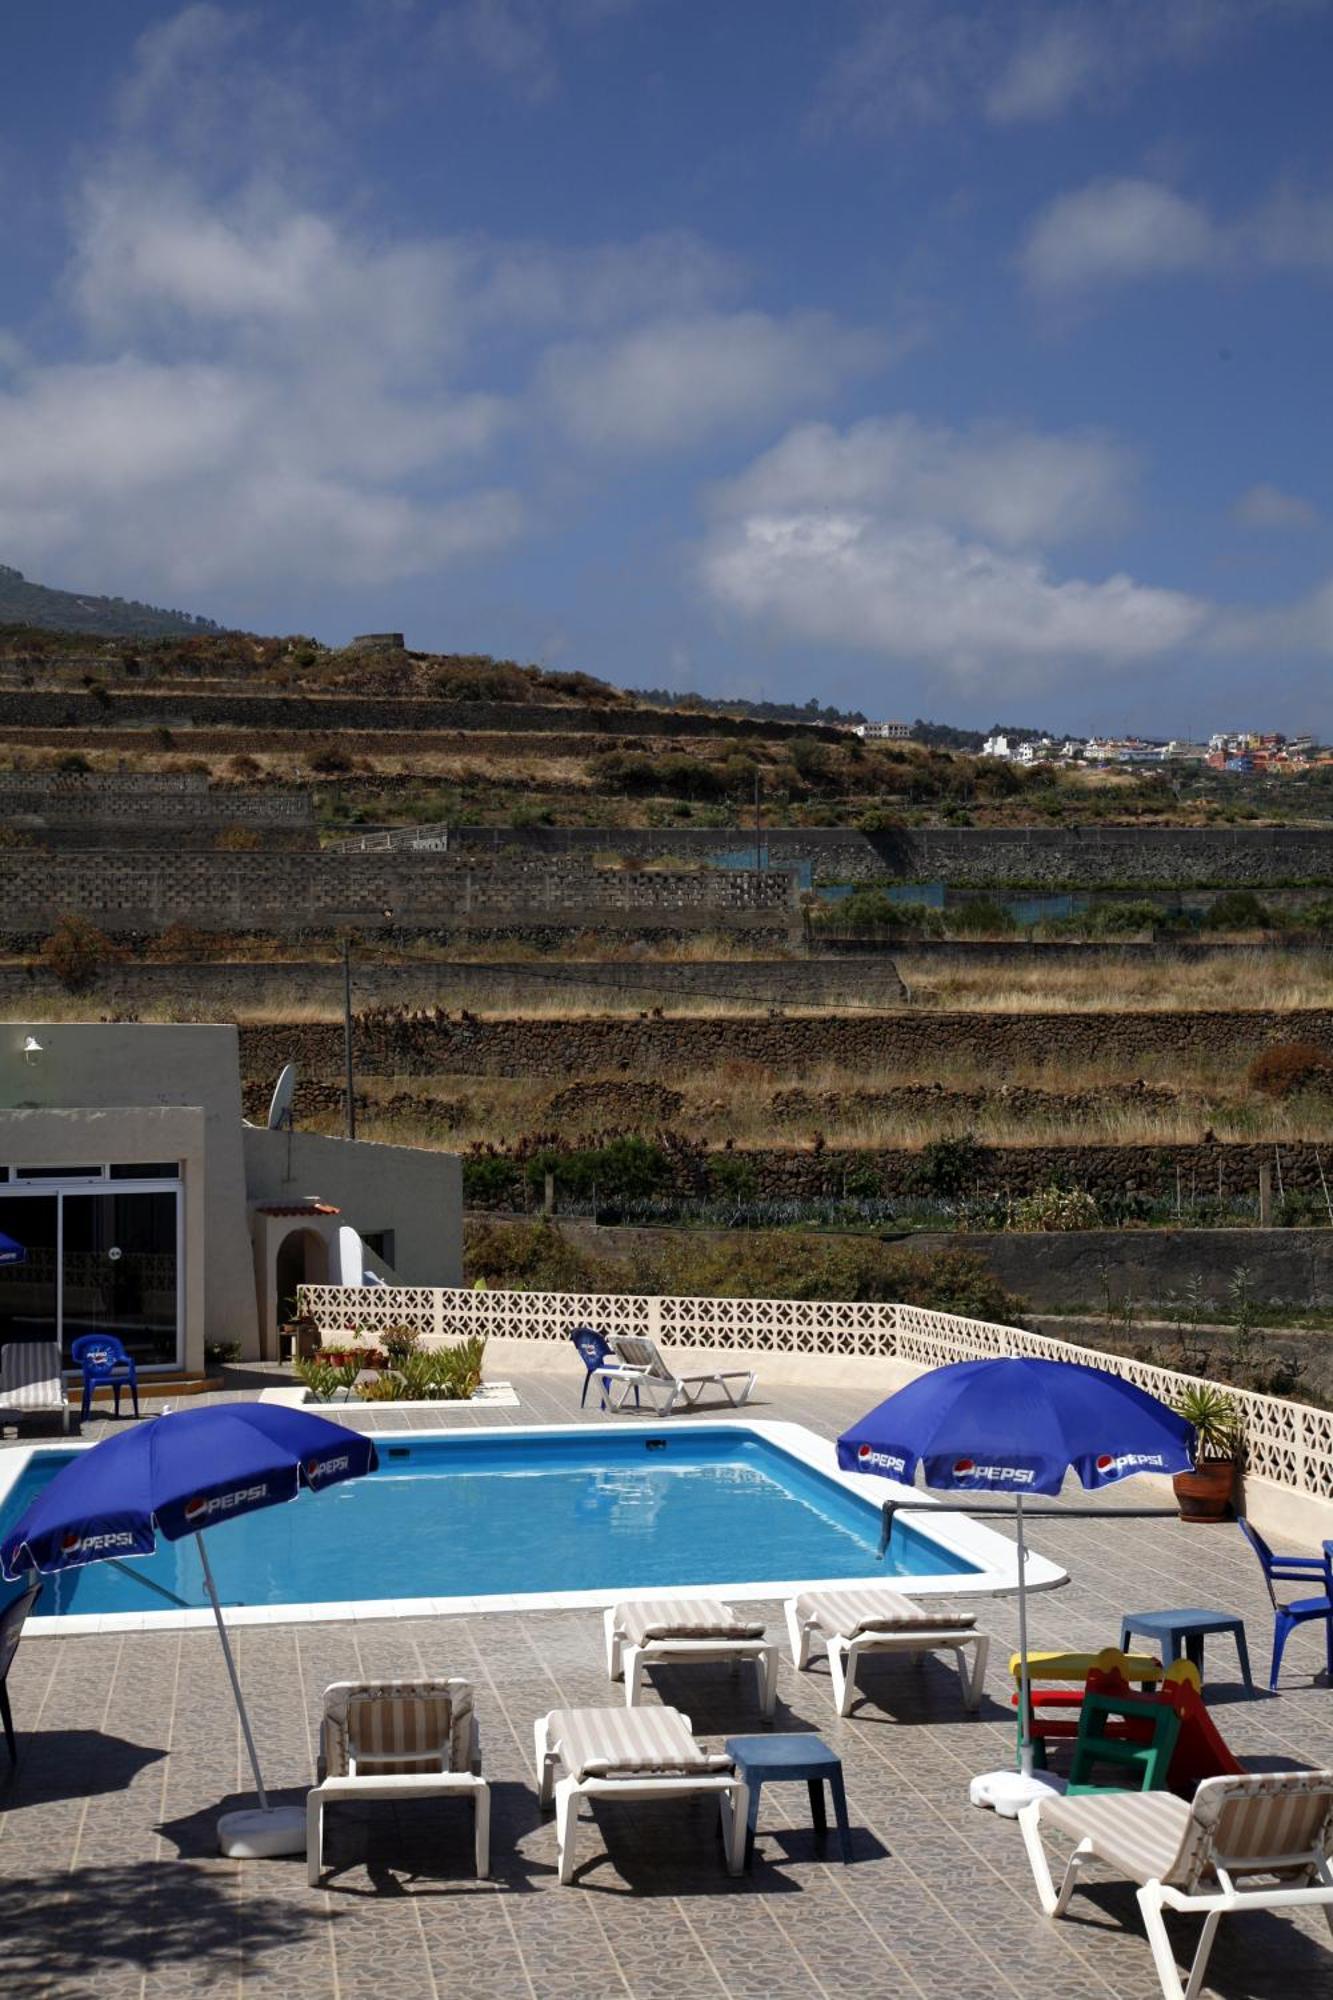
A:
[(996, 746), (147, 1207), (885, 732)]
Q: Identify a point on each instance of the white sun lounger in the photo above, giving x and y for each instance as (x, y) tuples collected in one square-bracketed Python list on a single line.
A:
[(1272, 1829), (398, 1740), (857, 1621), (660, 1382), (631, 1753), (666, 1631), (31, 1384)]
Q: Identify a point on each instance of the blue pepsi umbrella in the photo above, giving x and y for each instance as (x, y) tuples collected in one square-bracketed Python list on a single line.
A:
[(176, 1475), (10, 1251), (1018, 1425)]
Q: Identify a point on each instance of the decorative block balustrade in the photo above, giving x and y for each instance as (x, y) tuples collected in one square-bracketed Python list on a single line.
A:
[(1288, 1443)]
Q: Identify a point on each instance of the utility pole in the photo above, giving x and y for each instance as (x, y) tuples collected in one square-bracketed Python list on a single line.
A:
[(758, 824), (347, 1034)]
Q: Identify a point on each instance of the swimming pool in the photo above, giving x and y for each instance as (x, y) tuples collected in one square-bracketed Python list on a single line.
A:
[(465, 1519)]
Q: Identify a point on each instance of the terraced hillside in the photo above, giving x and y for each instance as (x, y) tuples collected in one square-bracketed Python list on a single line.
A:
[(582, 958)]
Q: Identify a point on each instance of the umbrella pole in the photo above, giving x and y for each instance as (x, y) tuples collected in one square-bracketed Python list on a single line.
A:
[(1025, 1758), (211, 1588)]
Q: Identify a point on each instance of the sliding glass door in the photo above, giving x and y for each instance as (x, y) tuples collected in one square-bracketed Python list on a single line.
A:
[(30, 1285), (103, 1260)]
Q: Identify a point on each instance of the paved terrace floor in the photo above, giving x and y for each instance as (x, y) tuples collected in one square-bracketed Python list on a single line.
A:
[(109, 1883)]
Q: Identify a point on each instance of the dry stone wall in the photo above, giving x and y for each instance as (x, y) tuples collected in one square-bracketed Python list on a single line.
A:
[(171, 708), (217, 992), (934, 1045), (1108, 1173)]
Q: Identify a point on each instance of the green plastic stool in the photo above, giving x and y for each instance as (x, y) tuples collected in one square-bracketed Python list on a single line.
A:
[(1144, 1766)]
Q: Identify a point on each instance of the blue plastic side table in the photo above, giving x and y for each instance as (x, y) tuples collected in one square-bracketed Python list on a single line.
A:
[(1181, 1634), (784, 1757)]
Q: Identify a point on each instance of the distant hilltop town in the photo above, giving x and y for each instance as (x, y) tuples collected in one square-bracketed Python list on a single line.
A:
[(1240, 752)]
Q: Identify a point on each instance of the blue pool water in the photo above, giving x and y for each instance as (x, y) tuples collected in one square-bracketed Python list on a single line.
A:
[(485, 1513)]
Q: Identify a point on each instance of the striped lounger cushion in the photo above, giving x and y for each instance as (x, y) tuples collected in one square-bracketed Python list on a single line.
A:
[(628, 1743), (388, 1721), (1152, 1836), (682, 1618), (847, 1614), (1140, 1833), (30, 1377)]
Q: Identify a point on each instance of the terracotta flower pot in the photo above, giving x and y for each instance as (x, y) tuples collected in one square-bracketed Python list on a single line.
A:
[(1205, 1493)]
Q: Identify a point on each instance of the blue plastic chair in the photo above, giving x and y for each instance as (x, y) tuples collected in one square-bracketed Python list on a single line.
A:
[(1298, 1610), (597, 1354), (103, 1359)]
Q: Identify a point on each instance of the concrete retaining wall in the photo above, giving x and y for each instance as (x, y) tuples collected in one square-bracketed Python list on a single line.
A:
[(979, 857), (245, 891)]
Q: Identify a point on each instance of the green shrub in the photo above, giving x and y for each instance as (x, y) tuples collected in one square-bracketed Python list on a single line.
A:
[(628, 1169), (488, 1179), (1121, 919), (868, 910), (1238, 910), (980, 917), (776, 1264), (535, 1257), (946, 1167), (733, 1177)]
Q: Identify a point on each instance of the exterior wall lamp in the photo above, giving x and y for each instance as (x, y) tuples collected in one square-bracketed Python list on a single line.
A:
[(32, 1051)]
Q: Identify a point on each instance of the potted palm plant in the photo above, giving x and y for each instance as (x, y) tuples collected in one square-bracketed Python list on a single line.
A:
[(1205, 1492)]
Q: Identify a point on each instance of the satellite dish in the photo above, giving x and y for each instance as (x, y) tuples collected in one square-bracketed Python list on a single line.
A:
[(280, 1110), (351, 1256)]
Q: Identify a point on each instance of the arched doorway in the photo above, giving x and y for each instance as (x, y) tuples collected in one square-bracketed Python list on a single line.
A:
[(302, 1259)]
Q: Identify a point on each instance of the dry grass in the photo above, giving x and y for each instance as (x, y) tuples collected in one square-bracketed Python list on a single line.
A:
[(499, 1110), (1132, 983)]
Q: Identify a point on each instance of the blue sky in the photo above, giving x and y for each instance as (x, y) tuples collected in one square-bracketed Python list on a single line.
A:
[(966, 361)]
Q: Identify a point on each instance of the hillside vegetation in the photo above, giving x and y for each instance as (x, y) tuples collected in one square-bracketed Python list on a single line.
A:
[(33, 604)]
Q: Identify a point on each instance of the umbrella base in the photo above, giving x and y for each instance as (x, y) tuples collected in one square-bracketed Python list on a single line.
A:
[(1009, 1791), (254, 1835)]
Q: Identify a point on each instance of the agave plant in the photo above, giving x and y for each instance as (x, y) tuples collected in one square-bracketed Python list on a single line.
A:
[(319, 1378), (1216, 1420), (384, 1389)]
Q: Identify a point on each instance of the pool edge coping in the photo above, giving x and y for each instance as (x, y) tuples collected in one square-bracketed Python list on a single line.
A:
[(963, 1536)]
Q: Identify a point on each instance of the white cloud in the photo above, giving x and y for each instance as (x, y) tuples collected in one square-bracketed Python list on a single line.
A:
[(1011, 485), (922, 593), (1304, 627), (202, 476), (1054, 63), (265, 390), (924, 544), (1265, 506), (519, 41), (1118, 231), (918, 62), (667, 384)]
